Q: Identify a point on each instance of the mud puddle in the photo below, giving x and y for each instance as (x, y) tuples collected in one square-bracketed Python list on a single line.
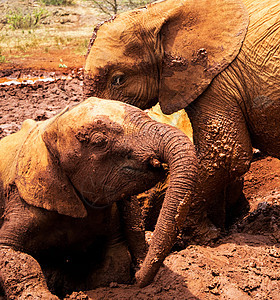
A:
[(5, 81), (36, 95)]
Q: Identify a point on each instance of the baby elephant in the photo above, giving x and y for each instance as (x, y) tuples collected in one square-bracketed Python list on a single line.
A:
[(60, 180)]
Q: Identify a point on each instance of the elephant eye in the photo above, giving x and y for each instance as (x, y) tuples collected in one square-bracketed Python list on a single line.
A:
[(99, 140), (118, 80)]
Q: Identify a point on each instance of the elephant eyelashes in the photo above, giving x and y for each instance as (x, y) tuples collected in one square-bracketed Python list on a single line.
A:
[(118, 80)]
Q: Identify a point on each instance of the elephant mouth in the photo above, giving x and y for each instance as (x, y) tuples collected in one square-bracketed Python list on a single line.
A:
[(148, 170), (94, 205), (86, 200), (137, 176), (140, 179)]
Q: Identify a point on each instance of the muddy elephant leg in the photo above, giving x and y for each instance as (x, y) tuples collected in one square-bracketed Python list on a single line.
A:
[(151, 203), (224, 150), (133, 228), (116, 262), (21, 276), (198, 228), (230, 204), (215, 209), (126, 244), (237, 205)]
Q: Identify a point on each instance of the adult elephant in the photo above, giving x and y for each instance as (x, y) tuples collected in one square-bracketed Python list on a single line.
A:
[(59, 182), (220, 60)]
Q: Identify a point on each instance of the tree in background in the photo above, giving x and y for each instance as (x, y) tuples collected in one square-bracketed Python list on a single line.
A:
[(112, 7)]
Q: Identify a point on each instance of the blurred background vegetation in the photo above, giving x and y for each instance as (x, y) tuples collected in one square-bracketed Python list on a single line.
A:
[(111, 7), (31, 13), (44, 25)]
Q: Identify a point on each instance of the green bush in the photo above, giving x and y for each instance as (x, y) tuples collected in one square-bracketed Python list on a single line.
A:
[(58, 2), (21, 19)]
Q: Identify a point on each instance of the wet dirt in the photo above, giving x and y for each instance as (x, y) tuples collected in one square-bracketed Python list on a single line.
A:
[(38, 101), (243, 263)]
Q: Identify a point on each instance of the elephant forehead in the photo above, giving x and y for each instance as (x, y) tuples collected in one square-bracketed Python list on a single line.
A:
[(94, 108), (104, 48), (105, 54), (115, 42)]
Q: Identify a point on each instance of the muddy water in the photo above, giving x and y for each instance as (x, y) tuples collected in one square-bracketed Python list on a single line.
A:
[(35, 97), (5, 81)]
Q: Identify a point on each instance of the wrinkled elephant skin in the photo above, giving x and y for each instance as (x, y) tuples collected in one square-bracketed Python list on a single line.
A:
[(219, 60), (61, 181)]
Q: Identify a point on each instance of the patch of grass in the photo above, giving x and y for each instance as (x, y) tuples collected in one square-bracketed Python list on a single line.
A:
[(2, 57), (62, 65), (24, 41), (25, 19), (82, 46), (60, 41), (51, 36), (58, 2)]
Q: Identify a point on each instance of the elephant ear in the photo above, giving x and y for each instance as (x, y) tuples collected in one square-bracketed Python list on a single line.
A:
[(40, 180), (199, 39)]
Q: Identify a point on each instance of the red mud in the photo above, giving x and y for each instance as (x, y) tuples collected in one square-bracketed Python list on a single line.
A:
[(243, 264)]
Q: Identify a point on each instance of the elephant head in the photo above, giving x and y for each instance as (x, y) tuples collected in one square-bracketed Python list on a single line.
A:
[(168, 51), (100, 152)]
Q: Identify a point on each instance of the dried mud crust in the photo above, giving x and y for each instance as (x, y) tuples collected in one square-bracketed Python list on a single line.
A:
[(242, 264)]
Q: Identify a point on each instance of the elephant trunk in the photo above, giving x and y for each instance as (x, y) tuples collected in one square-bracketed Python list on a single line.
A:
[(178, 152)]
